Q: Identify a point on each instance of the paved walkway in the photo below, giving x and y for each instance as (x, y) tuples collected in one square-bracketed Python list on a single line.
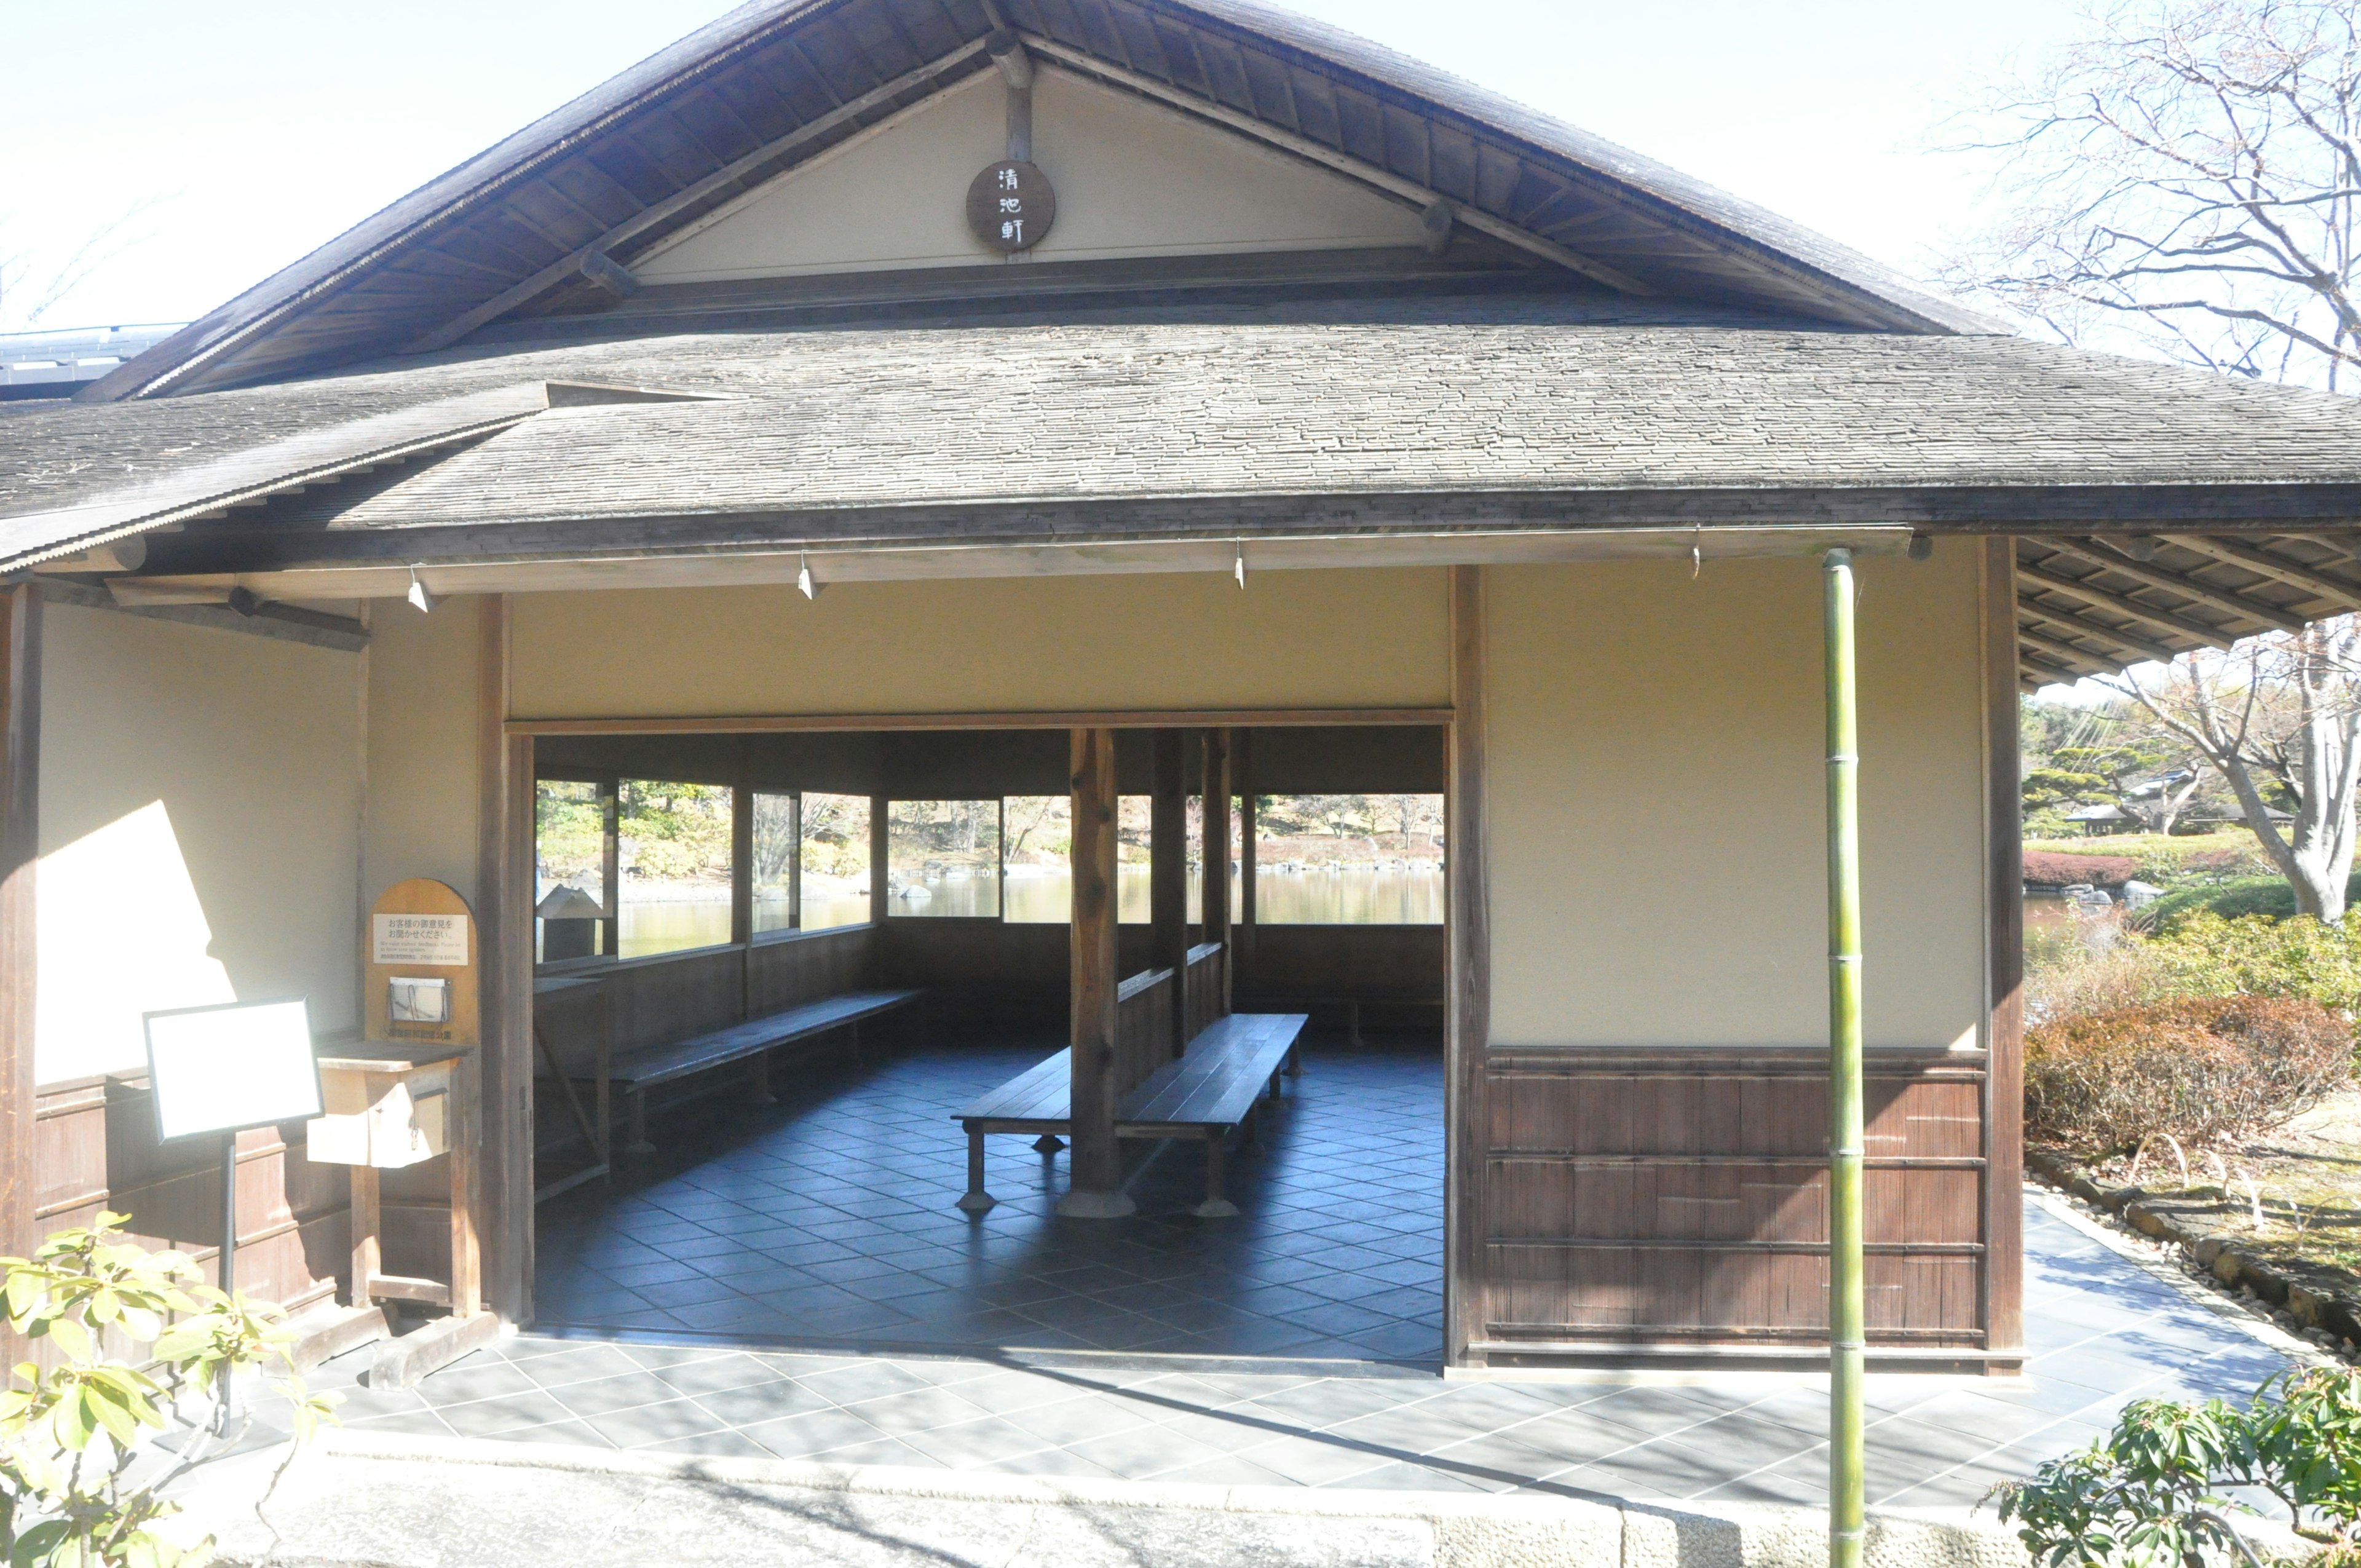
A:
[(2102, 1331)]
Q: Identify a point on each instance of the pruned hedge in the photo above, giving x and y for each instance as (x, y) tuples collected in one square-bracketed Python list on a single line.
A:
[(2196, 1069), (2045, 868)]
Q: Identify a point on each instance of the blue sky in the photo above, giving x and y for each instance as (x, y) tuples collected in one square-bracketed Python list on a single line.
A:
[(254, 131)]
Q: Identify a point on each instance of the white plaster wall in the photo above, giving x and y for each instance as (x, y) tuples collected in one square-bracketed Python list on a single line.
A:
[(1656, 807), (1132, 179), (200, 814), (422, 695)]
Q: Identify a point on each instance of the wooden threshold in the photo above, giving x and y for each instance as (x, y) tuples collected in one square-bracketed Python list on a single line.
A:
[(1156, 719)]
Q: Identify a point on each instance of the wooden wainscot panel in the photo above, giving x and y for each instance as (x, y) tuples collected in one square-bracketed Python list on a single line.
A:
[(1143, 1027), (1641, 1204), (655, 1001), (782, 971)]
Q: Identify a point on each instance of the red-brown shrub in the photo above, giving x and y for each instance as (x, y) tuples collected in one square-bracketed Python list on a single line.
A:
[(2046, 868), (2196, 1069)]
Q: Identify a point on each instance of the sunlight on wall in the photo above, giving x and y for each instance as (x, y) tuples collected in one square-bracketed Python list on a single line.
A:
[(121, 933)]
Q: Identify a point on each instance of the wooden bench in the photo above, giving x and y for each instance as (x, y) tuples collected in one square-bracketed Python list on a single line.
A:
[(636, 1072), (1216, 1086)]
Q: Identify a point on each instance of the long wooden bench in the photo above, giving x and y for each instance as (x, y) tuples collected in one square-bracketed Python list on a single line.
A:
[(636, 1072), (1216, 1086)]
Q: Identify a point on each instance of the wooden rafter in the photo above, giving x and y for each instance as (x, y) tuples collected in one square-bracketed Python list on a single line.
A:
[(2130, 643), (2124, 605), (2187, 587), (2294, 574), (2057, 648)]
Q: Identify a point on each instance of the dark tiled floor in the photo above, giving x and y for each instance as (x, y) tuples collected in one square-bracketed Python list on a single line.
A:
[(2102, 1329), (829, 1219)]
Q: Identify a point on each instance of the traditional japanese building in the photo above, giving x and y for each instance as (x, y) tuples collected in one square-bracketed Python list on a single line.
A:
[(962, 400)]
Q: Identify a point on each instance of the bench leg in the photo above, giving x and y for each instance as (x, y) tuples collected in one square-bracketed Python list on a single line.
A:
[(1294, 1061), (1048, 1143), (976, 1199), (1215, 1206), (637, 1143), (1352, 1021), (759, 1068)]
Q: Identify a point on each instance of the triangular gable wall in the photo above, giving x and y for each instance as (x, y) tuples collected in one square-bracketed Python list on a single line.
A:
[(1133, 178)]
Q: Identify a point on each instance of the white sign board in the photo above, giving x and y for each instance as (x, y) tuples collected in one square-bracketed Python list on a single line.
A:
[(439, 942), (215, 1070)]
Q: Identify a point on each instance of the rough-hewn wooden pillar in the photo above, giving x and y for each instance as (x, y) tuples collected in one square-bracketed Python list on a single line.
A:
[(20, 783), (1097, 1189), (795, 861), (879, 860), (610, 864), (1168, 876), (1215, 883), (2004, 993), (1468, 1012), (742, 864)]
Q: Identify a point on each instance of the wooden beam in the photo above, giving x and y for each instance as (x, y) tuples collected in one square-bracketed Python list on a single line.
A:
[(795, 861), (1467, 1018), (2115, 561), (2130, 642), (1345, 163), (610, 868), (2003, 1227), (1096, 1191), (742, 864), (2294, 574), (2124, 605), (1105, 718), (502, 1070), (20, 781), (756, 164), (1168, 874), (1214, 874), (2059, 650)]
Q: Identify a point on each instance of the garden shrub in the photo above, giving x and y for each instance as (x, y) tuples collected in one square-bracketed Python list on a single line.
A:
[(2202, 954), (2195, 1069), (2045, 868)]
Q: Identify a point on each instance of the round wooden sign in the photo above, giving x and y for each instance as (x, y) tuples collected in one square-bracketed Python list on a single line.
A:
[(1011, 206)]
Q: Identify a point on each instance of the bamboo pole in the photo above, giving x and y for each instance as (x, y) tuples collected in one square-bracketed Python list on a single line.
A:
[(1847, 1310)]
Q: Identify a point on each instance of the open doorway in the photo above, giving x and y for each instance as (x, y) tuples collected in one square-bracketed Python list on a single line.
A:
[(805, 1192)]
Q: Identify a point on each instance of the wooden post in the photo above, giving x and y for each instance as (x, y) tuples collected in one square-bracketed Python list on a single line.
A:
[(741, 864), (795, 861), (610, 868), (2004, 1301), (1242, 784), (879, 859), (1467, 1017), (497, 1210), (1097, 1161), (20, 784), (1216, 886), (1168, 877)]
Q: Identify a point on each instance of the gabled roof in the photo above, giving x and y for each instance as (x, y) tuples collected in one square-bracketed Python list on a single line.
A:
[(779, 82)]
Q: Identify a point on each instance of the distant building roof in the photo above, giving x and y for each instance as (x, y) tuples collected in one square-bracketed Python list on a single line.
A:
[(52, 364)]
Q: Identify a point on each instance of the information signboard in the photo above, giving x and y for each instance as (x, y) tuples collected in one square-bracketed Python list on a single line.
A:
[(217, 1070)]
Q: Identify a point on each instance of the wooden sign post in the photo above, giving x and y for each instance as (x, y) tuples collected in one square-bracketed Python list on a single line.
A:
[(407, 1096)]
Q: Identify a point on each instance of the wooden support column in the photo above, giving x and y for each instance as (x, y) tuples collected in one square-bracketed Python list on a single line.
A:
[(2004, 1304), (1215, 885), (879, 859), (741, 864), (1168, 876), (500, 1203), (610, 865), (1097, 1161), (795, 861), (1467, 1017), (1242, 784), (20, 783)]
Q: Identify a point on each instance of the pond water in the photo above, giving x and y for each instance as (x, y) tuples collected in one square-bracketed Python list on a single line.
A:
[(1043, 894)]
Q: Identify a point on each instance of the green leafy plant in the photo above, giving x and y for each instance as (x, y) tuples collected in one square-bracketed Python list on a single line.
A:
[(2156, 1492), (70, 1435)]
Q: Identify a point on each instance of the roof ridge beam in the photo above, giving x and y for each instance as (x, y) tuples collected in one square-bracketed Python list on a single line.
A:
[(2115, 561), (2106, 598), (2293, 573), (572, 264), (1398, 186)]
